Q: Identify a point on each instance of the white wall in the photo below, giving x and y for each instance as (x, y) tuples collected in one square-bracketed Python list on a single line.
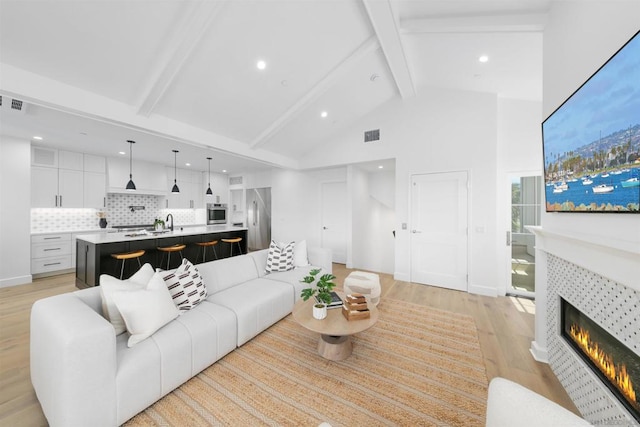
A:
[(15, 205), (438, 130), (578, 39), (295, 201), (373, 221)]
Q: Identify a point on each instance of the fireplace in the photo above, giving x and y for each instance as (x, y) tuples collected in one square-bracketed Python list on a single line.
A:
[(613, 362)]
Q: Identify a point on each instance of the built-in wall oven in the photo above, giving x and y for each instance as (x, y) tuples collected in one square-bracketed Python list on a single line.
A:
[(217, 213)]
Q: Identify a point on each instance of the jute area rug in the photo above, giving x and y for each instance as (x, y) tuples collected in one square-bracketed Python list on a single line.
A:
[(417, 366)]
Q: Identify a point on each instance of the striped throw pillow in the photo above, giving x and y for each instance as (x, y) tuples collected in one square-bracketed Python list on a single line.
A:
[(185, 286), (280, 257)]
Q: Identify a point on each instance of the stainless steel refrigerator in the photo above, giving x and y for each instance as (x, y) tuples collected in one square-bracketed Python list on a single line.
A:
[(258, 218)]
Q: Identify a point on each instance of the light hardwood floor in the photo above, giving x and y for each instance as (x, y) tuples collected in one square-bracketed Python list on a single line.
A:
[(505, 327)]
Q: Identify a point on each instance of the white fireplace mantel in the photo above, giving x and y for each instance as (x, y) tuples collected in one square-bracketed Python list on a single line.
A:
[(616, 259)]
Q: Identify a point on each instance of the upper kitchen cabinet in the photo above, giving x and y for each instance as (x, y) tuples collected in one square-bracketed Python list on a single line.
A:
[(64, 179), (219, 188), (189, 183), (95, 182), (58, 184), (149, 178)]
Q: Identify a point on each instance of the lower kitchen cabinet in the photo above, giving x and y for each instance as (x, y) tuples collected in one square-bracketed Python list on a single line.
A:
[(50, 253)]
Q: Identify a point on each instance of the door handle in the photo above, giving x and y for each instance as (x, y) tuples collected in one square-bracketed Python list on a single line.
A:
[(416, 231), (508, 238), (325, 228)]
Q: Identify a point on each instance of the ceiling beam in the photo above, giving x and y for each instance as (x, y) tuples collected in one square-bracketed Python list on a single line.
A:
[(385, 23), (316, 91), (186, 37), (522, 22)]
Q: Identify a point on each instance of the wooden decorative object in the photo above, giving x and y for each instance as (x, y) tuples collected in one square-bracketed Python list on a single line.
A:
[(355, 314)]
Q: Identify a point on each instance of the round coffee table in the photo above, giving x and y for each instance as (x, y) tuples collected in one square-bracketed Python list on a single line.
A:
[(335, 331)]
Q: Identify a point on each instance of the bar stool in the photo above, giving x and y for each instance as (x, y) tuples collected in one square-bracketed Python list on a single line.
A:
[(125, 256), (204, 246), (233, 240), (170, 249)]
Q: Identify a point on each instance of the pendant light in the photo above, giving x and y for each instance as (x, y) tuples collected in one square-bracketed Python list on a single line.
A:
[(209, 192), (175, 188), (130, 185)]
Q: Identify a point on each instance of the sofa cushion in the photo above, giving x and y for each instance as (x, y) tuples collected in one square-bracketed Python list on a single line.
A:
[(257, 304), (228, 272), (146, 310), (293, 278), (280, 256), (185, 286), (110, 285), (300, 256)]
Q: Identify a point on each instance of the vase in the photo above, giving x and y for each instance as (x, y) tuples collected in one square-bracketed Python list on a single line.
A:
[(319, 311), (103, 223)]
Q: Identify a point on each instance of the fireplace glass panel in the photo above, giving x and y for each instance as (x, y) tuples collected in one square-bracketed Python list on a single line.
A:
[(613, 362)]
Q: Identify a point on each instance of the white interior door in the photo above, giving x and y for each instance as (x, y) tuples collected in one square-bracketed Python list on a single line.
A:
[(334, 219), (439, 229)]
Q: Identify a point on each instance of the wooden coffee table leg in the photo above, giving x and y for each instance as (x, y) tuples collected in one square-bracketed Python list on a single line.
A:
[(335, 348)]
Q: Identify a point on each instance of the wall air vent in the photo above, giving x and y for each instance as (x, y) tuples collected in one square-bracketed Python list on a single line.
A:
[(235, 180), (372, 135), (15, 105)]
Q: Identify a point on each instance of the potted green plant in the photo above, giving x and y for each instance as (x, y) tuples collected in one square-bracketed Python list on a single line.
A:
[(322, 289), (158, 225)]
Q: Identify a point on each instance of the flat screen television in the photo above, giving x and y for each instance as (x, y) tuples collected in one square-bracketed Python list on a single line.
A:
[(591, 143)]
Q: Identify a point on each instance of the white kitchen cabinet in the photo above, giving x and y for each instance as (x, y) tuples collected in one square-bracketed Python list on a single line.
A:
[(95, 185), (95, 182), (51, 188), (189, 183), (41, 156), (50, 253), (70, 160), (95, 164)]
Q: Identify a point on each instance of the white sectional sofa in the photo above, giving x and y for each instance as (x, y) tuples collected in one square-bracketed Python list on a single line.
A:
[(84, 374)]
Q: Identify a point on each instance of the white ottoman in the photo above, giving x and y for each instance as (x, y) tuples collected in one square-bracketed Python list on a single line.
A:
[(364, 283)]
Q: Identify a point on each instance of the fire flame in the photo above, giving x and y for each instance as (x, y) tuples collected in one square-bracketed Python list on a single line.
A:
[(617, 374)]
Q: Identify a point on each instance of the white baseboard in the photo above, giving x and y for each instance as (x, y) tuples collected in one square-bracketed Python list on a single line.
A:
[(402, 277), (483, 290), (14, 281), (540, 354)]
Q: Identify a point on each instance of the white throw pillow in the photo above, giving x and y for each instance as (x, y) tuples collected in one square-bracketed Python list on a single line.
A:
[(185, 286), (300, 257), (109, 285), (146, 310), (280, 257)]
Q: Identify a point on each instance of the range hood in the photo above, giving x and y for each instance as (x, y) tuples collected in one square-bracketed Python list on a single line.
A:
[(150, 178)]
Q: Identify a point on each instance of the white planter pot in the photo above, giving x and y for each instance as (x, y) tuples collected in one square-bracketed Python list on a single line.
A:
[(319, 311)]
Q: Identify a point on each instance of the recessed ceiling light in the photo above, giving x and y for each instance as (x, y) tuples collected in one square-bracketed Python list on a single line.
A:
[(37, 138), (187, 164), (224, 171), (380, 167), (122, 152), (324, 114), (483, 58), (261, 65)]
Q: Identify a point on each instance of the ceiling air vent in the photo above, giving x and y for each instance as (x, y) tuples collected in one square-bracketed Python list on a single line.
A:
[(372, 135), (235, 180)]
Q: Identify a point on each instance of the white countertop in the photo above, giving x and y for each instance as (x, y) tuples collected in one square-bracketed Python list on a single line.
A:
[(127, 236)]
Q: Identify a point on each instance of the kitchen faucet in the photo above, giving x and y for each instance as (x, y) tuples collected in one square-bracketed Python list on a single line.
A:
[(171, 226)]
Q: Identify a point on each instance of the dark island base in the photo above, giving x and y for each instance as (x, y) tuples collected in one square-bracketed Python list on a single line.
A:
[(92, 260)]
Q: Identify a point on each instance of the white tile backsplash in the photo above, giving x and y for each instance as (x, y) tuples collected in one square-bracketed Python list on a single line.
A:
[(117, 213)]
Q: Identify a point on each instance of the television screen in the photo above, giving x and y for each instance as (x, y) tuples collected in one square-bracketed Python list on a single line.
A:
[(591, 143)]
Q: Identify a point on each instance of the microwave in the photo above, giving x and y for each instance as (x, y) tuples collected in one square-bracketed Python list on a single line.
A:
[(216, 213)]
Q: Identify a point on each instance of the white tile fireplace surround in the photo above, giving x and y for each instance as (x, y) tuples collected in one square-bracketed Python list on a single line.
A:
[(601, 279)]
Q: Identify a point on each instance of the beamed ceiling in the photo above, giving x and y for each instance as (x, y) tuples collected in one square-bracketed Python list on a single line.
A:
[(182, 74)]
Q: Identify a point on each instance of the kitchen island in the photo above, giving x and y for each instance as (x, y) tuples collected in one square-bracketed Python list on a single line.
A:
[(93, 251)]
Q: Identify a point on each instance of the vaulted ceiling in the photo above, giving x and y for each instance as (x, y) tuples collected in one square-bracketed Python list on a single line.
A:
[(183, 74)]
